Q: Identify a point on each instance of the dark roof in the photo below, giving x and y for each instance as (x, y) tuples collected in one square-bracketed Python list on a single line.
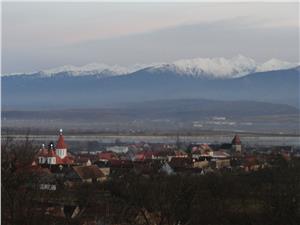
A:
[(101, 164), (120, 163), (181, 162), (88, 172), (82, 159)]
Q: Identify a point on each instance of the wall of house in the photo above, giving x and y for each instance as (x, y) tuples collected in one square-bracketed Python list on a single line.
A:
[(221, 163), (105, 171), (200, 164), (62, 153), (51, 160), (42, 160)]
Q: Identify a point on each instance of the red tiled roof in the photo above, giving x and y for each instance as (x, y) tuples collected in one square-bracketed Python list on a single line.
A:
[(61, 142), (58, 160), (80, 159), (236, 140), (107, 155), (43, 152), (68, 160), (51, 153), (120, 163), (142, 155)]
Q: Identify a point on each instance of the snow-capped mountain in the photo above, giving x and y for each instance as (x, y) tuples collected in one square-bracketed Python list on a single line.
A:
[(223, 68), (92, 69), (211, 68), (151, 83)]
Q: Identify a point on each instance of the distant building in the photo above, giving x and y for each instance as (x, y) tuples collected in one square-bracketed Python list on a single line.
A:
[(87, 174), (83, 161), (55, 155), (107, 155), (117, 149), (236, 144)]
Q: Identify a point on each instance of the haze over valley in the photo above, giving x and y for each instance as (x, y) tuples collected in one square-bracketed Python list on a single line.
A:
[(217, 94)]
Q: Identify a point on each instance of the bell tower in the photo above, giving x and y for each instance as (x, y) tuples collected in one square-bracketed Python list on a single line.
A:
[(61, 147), (236, 144)]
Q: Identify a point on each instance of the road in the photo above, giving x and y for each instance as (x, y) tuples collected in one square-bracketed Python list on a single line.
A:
[(263, 140)]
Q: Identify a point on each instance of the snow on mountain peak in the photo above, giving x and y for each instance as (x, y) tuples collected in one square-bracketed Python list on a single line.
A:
[(217, 67), (89, 69), (275, 64), (214, 68), (223, 68)]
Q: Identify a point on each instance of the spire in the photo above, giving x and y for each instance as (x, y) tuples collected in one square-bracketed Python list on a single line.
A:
[(236, 140), (61, 142)]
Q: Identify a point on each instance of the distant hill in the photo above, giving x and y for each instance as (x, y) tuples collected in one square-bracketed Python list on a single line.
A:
[(183, 109), (149, 84), (162, 115)]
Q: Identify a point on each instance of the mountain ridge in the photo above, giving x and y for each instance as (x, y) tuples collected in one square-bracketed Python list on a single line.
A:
[(211, 68), (281, 86)]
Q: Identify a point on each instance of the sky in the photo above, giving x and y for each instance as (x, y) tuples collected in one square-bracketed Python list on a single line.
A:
[(37, 36)]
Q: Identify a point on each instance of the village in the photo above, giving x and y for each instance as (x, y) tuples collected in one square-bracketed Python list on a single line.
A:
[(144, 158), (81, 186)]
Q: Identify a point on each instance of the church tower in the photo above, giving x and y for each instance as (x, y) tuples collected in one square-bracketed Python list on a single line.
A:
[(61, 147), (236, 144)]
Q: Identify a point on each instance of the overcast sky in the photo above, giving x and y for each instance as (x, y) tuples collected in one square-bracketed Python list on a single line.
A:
[(38, 36)]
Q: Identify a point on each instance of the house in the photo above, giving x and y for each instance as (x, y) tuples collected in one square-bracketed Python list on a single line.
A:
[(117, 149), (220, 155), (181, 163), (55, 155), (144, 155), (200, 164), (168, 154), (107, 155), (221, 163), (180, 154), (201, 151), (251, 163), (89, 174), (83, 161), (220, 159)]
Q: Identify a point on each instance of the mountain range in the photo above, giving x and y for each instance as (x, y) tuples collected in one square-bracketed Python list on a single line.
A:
[(198, 67), (98, 85)]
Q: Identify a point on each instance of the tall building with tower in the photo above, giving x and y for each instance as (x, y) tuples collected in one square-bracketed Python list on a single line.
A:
[(236, 144), (55, 155)]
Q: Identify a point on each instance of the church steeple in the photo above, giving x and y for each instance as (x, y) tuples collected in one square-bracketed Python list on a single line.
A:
[(61, 147), (236, 144)]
